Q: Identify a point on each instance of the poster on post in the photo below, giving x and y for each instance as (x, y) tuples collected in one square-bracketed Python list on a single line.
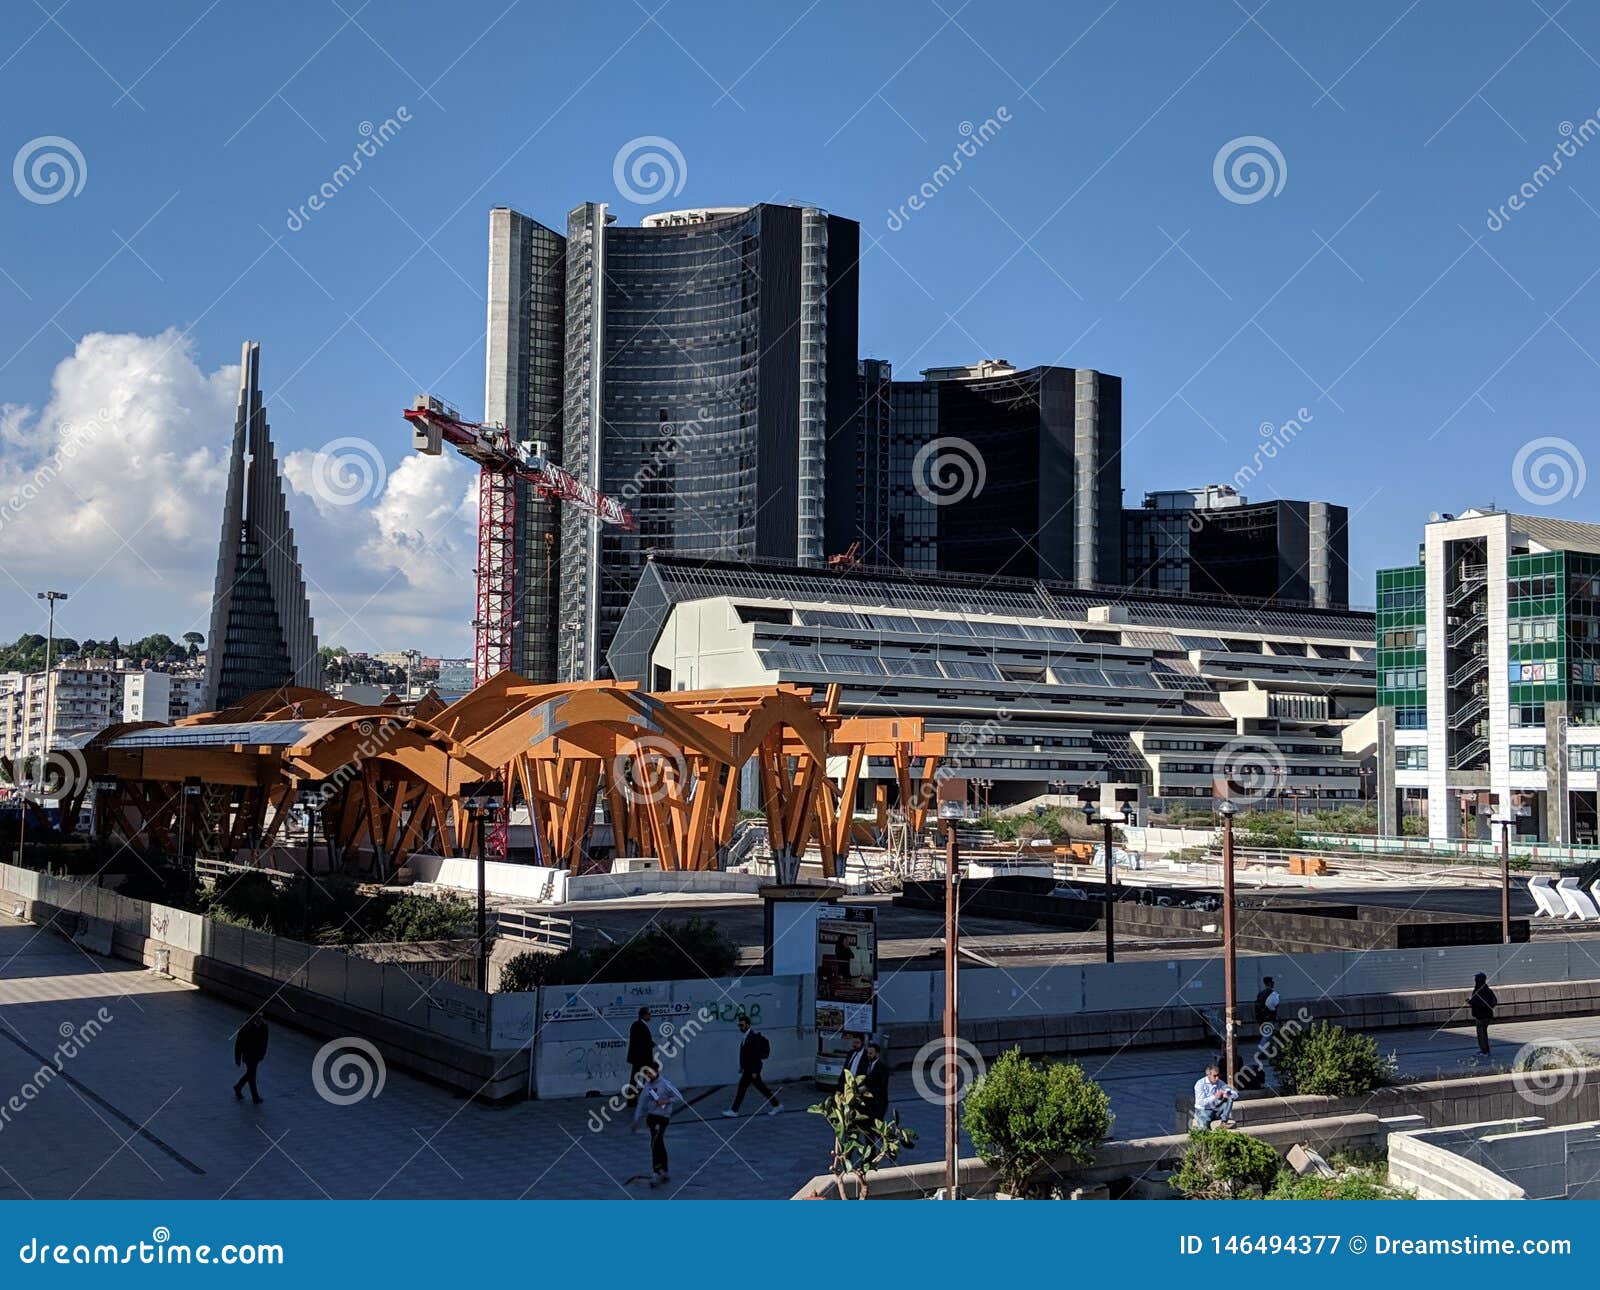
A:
[(847, 983)]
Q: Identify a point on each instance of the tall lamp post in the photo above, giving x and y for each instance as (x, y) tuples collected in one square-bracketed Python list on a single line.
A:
[(1227, 810), (311, 801), (482, 800), (950, 812), (1504, 818), (46, 725)]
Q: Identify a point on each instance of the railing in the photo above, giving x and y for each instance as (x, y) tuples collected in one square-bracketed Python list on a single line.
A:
[(1470, 711), (549, 931), (1477, 662), (1468, 628), (1464, 757), (1473, 579)]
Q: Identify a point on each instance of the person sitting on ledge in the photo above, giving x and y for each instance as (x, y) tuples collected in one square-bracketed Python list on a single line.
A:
[(1213, 1099)]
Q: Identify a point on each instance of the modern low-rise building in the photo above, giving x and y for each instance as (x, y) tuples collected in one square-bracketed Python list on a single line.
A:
[(988, 469), (1489, 678), (1040, 686), (1215, 541)]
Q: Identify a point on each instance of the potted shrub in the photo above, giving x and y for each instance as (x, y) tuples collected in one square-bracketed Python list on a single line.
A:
[(1224, 1164), (1024, 1117), (861, 1144), (1326, 1058)]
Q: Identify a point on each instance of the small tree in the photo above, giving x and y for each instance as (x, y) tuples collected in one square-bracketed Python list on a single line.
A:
[(1024, 1116), (1327, 1059), (861, 1144), (1224, 1164)]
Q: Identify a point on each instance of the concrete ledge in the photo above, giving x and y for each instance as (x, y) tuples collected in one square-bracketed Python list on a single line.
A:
[(1439, 1103), (1129, 1158)]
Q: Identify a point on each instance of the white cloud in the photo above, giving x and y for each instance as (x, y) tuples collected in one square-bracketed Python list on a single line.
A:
[(113, 492)]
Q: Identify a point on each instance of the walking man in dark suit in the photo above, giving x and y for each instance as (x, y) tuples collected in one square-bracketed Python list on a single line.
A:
[(1482, 1002), (249, 1047), (855, 1062), (877, 1077), (641, 1053), (753, 1052)]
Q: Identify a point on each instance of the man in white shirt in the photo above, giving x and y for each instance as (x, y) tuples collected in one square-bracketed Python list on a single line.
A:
[(1213, 1099), (856, 1062)]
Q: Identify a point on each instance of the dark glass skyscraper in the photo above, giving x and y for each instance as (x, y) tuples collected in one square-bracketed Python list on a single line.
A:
[(710, 369), (1215, 541), (524, 390), (991, 470)]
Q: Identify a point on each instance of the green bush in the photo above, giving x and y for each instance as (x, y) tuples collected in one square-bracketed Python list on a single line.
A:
[(525, 972), (1327, 1059), (1224, 1164), (422, 918), (246, 898), (1024, 1116), (687, 951), (1273, 829), (1350, 1184)]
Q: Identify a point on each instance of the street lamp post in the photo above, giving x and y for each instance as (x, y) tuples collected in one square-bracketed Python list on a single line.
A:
[(1227, 810), (1504, 820), (46, 725), (310, 798), (952, 938), (483, 804)]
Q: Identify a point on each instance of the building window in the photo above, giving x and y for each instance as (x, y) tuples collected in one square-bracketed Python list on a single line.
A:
[(1527, 757)]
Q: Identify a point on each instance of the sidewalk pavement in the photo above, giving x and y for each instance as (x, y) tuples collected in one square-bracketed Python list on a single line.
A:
[(144, 1109)]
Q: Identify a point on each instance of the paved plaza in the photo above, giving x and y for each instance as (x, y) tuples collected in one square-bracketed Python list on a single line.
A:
[(145, 1108)]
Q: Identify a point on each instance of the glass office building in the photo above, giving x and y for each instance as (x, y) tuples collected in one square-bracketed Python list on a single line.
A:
[(710, 365), (1489, 678)]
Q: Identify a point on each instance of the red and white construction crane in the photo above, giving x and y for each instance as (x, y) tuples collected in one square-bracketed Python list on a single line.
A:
[(501, 464)]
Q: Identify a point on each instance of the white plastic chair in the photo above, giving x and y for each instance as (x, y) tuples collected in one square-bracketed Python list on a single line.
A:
[(1577, 900), (1549, 904)]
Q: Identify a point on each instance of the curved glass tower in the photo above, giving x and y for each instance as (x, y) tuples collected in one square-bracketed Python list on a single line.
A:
[(699, 348)]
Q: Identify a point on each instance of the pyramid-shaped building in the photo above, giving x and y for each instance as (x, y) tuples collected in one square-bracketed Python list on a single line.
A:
[(261, 631)]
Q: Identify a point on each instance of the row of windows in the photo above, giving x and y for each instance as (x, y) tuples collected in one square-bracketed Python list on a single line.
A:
[(1412, 758), (1533, 629)]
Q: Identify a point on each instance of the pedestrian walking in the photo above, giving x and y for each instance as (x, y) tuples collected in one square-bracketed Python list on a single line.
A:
[(1482, 1002), (249, 1047), (1267, 1003), (641, 1053), (753, 1053), (877, 1077), (658, 1099), (1213, 1099)]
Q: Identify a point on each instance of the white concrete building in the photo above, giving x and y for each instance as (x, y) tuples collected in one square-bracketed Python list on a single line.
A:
[(1489, 677)]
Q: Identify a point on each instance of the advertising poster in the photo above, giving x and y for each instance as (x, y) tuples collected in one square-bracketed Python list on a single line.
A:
[(847, 982)]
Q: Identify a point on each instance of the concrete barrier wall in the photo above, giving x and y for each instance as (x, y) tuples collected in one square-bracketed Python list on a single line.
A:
[(1434, 1164), (1000, 993), (514, 881), (583, 1031)]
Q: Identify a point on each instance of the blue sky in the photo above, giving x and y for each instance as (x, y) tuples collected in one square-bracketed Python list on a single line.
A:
[(1088, 230)]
